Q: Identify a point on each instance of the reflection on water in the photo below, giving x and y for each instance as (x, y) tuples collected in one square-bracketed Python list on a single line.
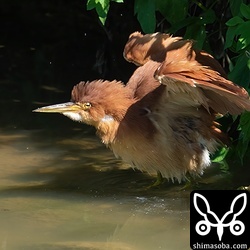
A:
[(63, 192)]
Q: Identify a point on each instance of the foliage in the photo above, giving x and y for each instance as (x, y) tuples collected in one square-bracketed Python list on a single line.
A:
[(218, 26), (146, 12), (102, 7), (238, 41)]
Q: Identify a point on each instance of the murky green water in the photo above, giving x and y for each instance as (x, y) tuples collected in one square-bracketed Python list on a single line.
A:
[(67, 191)]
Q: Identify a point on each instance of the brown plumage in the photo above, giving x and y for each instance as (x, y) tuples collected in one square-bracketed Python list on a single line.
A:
[(164, 118)]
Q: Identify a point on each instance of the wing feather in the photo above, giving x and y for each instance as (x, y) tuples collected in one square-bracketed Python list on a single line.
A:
[(182, 68), (222, 95)]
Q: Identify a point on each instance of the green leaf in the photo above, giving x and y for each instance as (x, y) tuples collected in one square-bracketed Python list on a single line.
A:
[(145, 11), (168, 9), (248, 61), (91, 4), (235, 6), (196, 32), (231, 33), (104, 5), (220, 155), (241, 44), (241, 31), (181, 24), (208, 16), (245, 125), (234, 21), (241, 149), (241, 73), (102, 8), (245, 134), (245, 10), (244, 31), (224, 167)]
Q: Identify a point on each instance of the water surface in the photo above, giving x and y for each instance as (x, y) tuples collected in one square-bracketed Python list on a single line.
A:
[(65, 190)]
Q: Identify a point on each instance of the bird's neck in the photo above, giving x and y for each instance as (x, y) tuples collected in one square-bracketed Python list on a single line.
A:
[(107, 129)]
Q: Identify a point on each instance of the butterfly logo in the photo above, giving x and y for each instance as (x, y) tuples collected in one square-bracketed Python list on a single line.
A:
[(203, 227)]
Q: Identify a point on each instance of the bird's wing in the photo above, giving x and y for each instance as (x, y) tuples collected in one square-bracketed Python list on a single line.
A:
[(160, 47), (139, 49), (182, 68), (221, 94)]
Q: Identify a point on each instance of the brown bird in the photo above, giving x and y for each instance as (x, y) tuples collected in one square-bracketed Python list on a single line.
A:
[(163, 119)]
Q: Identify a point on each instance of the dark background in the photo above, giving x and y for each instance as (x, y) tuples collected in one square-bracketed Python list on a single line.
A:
[(46, 47)]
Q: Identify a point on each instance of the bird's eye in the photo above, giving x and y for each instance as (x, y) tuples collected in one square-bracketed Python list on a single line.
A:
[(87, 105)]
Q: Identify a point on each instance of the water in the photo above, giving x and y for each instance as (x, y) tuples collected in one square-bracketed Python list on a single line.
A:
[(65, 190)]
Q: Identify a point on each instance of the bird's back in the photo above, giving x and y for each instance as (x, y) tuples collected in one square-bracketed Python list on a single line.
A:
[(165, 131), (179, 92)]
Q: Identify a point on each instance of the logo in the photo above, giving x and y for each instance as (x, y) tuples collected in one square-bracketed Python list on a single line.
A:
[(203, 227), (219, 219)]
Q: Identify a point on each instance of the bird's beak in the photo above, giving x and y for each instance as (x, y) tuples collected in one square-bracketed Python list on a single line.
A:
[(59, 108)]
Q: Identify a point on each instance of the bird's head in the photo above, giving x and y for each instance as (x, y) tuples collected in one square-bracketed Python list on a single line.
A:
[(94, 103)]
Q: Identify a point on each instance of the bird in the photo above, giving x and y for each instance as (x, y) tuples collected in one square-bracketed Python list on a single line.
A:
[(164, 119)]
